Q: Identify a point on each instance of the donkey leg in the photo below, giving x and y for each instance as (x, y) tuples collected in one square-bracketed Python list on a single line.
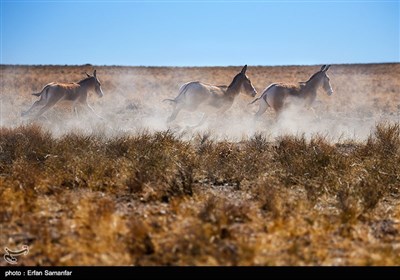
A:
[(46, 107), (75, 111), (174, 114), (34, 105), (202, 121), (262, 109), (314, 113), (93, 111)]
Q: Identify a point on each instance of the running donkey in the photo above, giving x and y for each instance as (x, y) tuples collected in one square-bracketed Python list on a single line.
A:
[(209, 98), (279, 95), (73, 92)]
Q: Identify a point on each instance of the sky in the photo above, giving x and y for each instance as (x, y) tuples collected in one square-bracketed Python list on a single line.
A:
[(199, 33)]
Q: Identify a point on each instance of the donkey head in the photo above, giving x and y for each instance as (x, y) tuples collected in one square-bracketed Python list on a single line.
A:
[(325, 79), (97, 85), (245, 82)]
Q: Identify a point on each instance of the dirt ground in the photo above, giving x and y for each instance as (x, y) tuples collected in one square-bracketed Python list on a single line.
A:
[(133, 190)]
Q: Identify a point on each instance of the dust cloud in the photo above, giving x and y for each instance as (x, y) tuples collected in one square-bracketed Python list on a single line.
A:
[(132, 103)]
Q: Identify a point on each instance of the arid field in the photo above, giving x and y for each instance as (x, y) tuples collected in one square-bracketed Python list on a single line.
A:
[(131, 189)]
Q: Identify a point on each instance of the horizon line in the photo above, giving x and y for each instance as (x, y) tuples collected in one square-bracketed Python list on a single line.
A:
[(196, 66)]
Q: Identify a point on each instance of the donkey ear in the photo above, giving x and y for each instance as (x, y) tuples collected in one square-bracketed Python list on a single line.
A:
[(323, 68), (326, 68), (87, 75), (244, 69), (94, 73)]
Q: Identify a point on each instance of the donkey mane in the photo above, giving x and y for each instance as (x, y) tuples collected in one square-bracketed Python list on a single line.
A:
[(312, 77), (85, 80), (234, 81)]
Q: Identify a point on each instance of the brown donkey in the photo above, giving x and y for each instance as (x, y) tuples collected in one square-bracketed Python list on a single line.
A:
[(73, 92), (208, 98), (279, 95)]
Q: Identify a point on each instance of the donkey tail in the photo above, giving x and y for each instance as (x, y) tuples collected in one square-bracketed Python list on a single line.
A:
[(263, 94), (182, 90), (46, 88), (255, 100), (169, 100)]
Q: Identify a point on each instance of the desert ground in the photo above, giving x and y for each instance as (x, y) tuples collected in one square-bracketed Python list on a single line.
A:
[(131, 189)]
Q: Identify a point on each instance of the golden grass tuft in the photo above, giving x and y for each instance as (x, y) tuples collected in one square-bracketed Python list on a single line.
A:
[(155, 198)]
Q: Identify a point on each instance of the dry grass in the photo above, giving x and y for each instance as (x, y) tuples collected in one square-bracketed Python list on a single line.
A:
[(157, 198), (153, 199)]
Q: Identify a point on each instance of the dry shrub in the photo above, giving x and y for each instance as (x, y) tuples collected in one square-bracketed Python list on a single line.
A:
[(348, 204), (30, 143), (138, 240), (271, 201), (222, 212), (302, 159), (156, 199)]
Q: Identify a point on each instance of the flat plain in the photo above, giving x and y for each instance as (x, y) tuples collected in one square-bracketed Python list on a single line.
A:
[(134, 190)]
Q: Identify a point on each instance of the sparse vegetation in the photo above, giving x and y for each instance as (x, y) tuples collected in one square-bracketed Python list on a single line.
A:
[(168, 198), (155, 199)]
